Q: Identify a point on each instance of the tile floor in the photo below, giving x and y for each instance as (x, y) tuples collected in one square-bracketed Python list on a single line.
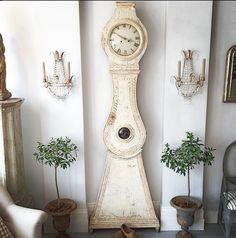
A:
[(211, 231)]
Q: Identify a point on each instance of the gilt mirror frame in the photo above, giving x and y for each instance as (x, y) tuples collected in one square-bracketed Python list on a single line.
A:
[(230, 76)]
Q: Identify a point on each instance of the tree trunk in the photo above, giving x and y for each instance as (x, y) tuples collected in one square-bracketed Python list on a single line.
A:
[(58, 195), (188, 188)]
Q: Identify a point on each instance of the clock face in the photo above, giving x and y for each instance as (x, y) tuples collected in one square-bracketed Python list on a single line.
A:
[(125, 39)]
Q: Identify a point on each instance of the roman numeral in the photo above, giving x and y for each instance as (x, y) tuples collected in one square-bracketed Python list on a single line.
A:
[(136, 44), (118, 51), (125, 52), (124, 25), (135, 31), (137, 38)]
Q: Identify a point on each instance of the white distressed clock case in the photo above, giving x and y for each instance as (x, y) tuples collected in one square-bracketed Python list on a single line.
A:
[(124, 195)]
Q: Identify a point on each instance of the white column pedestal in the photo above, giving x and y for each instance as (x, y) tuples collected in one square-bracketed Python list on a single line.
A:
[(11, 151)]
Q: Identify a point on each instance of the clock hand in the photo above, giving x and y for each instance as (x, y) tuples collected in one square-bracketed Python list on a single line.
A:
[(120, 36), (129, 40)]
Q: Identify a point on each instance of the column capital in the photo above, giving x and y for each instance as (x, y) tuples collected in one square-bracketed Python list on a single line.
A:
[(11, 103)]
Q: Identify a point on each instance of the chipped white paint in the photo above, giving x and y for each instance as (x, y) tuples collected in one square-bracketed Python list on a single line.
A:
[(124, 195), (124, 113), (11, 151)]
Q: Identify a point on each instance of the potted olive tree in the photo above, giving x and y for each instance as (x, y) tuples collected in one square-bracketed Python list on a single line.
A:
[(182, 159), (58, 153)]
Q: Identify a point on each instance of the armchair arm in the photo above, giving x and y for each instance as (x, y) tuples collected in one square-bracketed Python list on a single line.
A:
[(25, 222), (5, 198)]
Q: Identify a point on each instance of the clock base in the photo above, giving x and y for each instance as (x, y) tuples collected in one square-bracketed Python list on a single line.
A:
[(104, 223), (124, 196)]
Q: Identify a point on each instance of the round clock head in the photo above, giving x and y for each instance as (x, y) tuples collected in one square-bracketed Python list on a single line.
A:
[(124, 39)]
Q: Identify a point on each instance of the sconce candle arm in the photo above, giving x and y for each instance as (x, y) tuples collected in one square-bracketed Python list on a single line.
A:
[(203, 67), (44, 71), (179, 69), (45, 78), (68, 65)]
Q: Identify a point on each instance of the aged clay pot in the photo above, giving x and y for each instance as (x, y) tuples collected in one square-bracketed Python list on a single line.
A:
[(185, 214), (61, 215)]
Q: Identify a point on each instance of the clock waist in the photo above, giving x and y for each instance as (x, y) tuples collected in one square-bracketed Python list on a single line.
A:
[(126, 157), (129, 153)]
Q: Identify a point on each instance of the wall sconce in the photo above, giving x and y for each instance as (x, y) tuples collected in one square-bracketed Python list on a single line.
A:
[(187, 83), (58, 84)]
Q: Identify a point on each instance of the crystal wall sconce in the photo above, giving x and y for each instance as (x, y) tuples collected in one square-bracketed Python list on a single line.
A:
[(59, 84), (187, 83)]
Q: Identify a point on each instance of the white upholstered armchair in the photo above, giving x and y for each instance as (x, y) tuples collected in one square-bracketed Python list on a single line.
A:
[(22, 222)]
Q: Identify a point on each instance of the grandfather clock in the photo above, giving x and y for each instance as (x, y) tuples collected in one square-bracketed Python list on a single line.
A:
[(124, 195)]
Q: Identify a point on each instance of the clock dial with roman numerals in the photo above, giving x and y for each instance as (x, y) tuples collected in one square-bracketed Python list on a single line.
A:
[(124, 39)]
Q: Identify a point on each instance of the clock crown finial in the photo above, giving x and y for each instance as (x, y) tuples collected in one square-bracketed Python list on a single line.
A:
[(125, 4)]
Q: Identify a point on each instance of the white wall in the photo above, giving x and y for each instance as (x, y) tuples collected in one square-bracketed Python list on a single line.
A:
[(31, 31), (220, 116)]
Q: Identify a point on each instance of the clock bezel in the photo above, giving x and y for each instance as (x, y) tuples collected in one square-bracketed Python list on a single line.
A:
[(143, 41), (112, 32)]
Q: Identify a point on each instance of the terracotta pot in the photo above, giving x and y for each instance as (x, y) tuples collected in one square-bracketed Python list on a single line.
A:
[(61, 215), (185, 214)]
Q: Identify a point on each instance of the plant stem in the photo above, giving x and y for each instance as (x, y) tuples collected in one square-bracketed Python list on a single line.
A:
[(188, 188), (58, 195)]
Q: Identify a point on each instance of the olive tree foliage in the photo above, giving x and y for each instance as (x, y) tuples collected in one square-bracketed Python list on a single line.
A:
[(59, 152), (190, 153)]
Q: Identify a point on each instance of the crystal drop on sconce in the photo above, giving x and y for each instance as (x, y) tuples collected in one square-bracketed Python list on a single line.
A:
[(59, 84), (188, 83)]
